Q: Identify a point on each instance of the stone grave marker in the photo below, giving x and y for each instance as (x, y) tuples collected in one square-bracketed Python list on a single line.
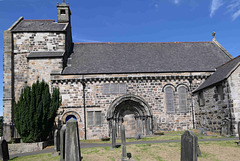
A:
[(72, 142), (239, 130), (114, 136), (201, 131), (62, 142), (189, 146), (123, 143), (57, 140), (4, 154)]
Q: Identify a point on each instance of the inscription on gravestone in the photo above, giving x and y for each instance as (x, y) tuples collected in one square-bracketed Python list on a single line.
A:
[(4, 154), (189, 146)]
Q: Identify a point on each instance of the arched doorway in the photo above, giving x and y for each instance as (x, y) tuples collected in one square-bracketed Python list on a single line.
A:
[(133, 112)]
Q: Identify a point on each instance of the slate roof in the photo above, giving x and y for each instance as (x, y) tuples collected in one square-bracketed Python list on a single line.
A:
[(37, 54), (99, 58), (222, 72), (39, 25)]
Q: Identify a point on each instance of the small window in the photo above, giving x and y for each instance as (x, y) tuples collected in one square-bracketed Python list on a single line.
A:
[(94, 118), (114, 88), (220, 92), (182, 96), (169, 99), (90, 118), (62, 12), (201, 98)]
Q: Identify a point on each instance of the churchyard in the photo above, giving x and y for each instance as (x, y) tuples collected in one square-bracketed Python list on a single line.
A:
[(210, 150)]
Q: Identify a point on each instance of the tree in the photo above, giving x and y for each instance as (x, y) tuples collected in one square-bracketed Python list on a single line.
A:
[(35, 111)]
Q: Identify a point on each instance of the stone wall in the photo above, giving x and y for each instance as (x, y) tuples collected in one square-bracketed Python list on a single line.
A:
[(147, 86), (234, 87), (215, 114), (27, 71)]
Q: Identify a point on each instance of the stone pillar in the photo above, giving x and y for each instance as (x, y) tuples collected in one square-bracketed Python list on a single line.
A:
[(62, 142), (189, 146), (123, 143), (72, 142), (4, 154), (8, 85)]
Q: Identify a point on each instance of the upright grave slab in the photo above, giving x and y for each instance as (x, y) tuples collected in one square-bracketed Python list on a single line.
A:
[(57, 140), (123, 143), (72, 143), (4, 154), (114, 136), (189, 146), (62, 142)]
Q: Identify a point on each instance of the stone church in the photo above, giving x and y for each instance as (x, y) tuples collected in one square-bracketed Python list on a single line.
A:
[(145, 86)]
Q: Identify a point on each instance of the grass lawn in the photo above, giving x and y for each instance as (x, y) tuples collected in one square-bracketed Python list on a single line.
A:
[(169, 135), (211, 151)]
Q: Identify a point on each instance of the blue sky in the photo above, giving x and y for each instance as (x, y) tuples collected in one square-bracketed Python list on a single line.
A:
[(135, 21)]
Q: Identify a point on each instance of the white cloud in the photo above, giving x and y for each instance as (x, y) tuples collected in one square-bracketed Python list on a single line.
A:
[(216, 4), (176, 1), (236, 15), (234, 8)]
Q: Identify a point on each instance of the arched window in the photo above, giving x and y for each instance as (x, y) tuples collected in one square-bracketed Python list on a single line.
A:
[(169, 96), (182, 97), (69, 117)]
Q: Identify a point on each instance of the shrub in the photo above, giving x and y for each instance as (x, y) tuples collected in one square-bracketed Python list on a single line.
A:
[(35, 111)]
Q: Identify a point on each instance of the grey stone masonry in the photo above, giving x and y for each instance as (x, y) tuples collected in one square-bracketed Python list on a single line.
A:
[(72, 142), (4, 153), (189, 146), (7, 84)]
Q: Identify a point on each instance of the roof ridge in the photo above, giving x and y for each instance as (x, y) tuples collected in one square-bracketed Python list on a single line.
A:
[(228, 62), (140, 42), (38, 20)]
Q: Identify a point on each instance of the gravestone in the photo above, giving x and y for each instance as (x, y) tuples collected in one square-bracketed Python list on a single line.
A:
[(72, 143), (57, 140), (114, 136), (62, 142), (4, 154), (123, 143), (201, 131), (189, 146), (239, 130)]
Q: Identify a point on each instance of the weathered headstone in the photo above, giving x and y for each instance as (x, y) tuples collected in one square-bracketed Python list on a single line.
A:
[(123, 144), (114, 136), (4, 154), (201, 131), (189, 146), (62, 142), (57, 140), (239, 130), (72, 143)]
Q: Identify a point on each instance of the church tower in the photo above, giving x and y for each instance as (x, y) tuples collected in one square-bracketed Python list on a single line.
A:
[(63, 13)]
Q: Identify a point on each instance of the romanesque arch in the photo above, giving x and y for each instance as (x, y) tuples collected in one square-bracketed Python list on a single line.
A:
[(133, 107), (65, 115)]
